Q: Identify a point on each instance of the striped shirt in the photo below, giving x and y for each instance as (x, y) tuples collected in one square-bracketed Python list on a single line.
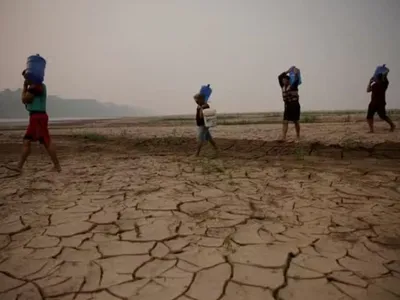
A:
[(290, 93)]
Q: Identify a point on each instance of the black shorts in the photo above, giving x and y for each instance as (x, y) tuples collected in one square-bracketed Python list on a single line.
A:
[(376, 108), (292, 111)]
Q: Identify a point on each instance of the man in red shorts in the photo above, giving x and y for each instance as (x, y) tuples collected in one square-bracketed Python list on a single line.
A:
[(34, 97)]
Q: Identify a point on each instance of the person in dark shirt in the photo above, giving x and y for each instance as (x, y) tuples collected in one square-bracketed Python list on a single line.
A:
[(290, 95), (377, 87), (203, 133)]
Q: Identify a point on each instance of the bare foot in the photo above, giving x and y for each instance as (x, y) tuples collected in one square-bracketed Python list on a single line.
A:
[(371, 131), (392, 128)]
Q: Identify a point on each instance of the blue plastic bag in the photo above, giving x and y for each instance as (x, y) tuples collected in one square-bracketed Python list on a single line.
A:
[(381, 70), (206, 91), (293, 75)]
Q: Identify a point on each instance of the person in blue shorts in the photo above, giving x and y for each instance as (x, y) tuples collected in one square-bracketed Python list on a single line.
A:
[(203, 133)]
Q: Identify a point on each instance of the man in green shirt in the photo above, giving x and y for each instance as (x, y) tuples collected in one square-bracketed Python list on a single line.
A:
[(34, 98)]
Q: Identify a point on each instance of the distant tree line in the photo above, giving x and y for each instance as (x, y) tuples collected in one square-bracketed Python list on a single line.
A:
[(11, 107)]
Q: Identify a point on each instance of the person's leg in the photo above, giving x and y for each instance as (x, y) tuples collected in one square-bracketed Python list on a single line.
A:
[(371, 125), (46, 141), (26, 150), (285, 127), (26, 144), (200, 139), (296, 118), (211, 141), (199, 146), (392, 127), (370, 118), (383, 115), (50, 148), (390, 122), (297, 126), (285, 123)]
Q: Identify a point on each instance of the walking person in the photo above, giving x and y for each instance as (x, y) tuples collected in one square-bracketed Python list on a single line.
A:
[(377, 86), (290, 95), (203, 133), (34, 97)]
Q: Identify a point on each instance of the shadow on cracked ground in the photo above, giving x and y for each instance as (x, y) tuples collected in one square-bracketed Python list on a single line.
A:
[(142, 220)]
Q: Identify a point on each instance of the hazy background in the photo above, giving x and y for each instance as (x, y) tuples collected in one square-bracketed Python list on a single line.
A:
[(155, 54)]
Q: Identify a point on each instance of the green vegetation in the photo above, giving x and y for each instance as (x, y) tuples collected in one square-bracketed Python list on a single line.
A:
[(95, 137), (308, 118), (90, 136)]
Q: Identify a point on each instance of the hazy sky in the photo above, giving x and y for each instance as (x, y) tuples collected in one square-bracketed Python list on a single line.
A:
[(156, 53)]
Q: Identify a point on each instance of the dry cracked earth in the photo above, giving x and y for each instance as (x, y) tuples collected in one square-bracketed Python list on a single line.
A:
[(135, 226)]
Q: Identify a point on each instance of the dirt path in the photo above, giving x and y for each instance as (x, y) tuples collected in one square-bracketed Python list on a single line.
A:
[(141, 220)]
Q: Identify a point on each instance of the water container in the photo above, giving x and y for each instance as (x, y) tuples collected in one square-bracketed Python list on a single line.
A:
[(381, 70), (210, 117), (292, 75), (206, 91), (35, 67)]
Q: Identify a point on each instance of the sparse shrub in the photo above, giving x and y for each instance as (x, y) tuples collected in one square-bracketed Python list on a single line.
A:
[(94, 137), (309, 119)]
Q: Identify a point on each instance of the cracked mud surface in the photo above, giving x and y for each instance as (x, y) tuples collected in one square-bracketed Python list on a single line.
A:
[(118, 225)]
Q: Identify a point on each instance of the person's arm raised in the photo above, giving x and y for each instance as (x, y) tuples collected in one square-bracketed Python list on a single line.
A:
[(280, 78), (26, 96)]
